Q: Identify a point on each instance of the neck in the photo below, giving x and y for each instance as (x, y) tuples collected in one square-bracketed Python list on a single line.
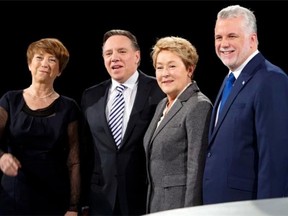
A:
[(36, 94), (41, 97)]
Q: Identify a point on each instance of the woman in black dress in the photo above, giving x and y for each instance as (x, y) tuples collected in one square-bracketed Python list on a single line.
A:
[(39, 147)]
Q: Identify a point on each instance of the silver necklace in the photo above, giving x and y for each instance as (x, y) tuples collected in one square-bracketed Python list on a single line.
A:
[(41, 97)]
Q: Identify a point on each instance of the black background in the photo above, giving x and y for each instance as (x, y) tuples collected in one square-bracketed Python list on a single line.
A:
[(80, 25)]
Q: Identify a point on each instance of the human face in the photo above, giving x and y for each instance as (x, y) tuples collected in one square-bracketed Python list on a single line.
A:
[(233, 43), (171, 74), (120, 57), (44, 67)]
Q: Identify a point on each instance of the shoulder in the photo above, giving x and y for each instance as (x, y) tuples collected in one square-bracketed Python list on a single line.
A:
[(146, 78), (263, 69), (12, 95), (148, 82), (69, 101), (97, 88), (11, 99), (266, 75), (202, 97)]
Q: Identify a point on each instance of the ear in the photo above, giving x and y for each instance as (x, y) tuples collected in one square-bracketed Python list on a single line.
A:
[(138, 56), (29, 66), (190, 71), (254, 40)]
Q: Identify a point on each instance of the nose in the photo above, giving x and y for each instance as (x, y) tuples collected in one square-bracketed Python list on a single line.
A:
[(114, 57), (165, 72), (224, 42), (44, 62)]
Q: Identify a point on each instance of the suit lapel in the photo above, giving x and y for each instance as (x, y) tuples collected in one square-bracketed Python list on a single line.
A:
[(246, 74), (157, 116), (102, 108), (188, 92), (174, 109), (238, 85), (216, 104), (143, 91)]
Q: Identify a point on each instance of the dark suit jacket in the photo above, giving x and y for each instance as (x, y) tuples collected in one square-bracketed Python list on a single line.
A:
[(115, 171), (248, 148)]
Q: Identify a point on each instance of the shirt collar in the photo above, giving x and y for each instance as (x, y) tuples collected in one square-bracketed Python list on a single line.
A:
[(237, 72), (130, 83)]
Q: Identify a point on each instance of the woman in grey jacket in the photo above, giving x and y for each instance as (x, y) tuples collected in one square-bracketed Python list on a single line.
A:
[(176, 140)]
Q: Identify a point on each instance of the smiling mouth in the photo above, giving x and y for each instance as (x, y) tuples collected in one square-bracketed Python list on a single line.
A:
[(226, 52), (167, 81), (116, 67)]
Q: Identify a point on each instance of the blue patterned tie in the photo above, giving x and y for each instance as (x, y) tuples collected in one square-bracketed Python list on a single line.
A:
[(116, 115), (228, 86)]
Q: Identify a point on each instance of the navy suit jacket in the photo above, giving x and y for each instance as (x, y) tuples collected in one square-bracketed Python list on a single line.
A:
[(248, 147), (109, 173)]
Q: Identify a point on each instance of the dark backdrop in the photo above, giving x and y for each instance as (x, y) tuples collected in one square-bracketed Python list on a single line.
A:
[(80, 25)]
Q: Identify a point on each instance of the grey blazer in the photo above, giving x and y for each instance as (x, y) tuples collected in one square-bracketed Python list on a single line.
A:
[(175, 151)]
